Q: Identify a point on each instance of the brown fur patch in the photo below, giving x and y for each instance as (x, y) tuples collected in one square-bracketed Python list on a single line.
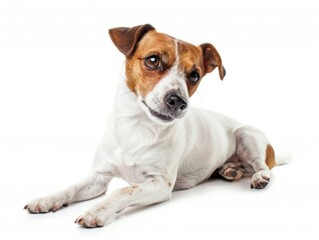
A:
[(140, 79), (125, 39), (212, 59), (270, 157), (190, 59)]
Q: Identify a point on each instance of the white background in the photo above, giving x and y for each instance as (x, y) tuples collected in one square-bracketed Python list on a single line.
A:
[(58, 72)]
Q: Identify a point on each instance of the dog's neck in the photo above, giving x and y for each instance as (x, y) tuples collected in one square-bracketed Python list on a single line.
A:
[(133, 128)]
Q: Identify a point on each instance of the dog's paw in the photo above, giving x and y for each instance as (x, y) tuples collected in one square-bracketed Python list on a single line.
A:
[(231, 171), (94, 218), (45, 204), (260, 179)]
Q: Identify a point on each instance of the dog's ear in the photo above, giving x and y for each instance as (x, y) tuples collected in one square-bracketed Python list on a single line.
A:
[(125, 39), (212, 59)]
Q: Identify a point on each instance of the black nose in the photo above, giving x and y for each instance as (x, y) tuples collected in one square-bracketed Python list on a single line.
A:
[(175, 103)]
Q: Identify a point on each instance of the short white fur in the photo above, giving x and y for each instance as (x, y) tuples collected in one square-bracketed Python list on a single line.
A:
[(157, 158)]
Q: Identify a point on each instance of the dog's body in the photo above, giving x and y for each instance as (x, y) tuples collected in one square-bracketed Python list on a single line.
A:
[(152, 143)]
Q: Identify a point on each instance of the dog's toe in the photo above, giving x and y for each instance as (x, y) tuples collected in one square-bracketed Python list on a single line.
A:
[(88, 221), (97, 217), (44, 205), (37, 206)]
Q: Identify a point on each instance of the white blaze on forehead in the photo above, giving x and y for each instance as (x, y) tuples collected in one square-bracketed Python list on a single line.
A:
[(176, 51)]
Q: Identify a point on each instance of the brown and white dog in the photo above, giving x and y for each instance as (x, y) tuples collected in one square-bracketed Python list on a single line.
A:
[(154, 140)]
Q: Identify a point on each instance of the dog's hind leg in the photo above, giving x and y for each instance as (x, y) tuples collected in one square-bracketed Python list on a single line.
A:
[(255, 154), (231, 171)]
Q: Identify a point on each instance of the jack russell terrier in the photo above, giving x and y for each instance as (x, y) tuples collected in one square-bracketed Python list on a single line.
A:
[(155, 140)]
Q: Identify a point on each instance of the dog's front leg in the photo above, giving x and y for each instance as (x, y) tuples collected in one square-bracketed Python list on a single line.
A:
[(154, 190), (94, 185)]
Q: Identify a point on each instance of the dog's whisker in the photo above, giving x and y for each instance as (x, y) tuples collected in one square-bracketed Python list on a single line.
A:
[(126, 93)]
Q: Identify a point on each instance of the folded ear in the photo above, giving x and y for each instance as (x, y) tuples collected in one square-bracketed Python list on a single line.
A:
[(125, 39), (212, 59)]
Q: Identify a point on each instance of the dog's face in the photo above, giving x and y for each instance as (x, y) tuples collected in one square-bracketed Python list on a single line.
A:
[(162, 71)]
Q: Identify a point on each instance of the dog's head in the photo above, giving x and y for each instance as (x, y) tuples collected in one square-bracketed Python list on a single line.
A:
[(162, 71)]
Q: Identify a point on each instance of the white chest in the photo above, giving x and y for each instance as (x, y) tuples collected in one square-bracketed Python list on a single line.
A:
[(136, 167)]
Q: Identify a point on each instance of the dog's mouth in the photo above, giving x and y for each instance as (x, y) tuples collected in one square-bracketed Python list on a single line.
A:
[(164, 117)]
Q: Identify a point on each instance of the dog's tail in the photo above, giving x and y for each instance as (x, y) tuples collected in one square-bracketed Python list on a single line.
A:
[(283, 158), (273, 159)]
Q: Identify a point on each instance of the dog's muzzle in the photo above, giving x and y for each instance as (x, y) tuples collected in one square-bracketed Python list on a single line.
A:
[(172, 107)]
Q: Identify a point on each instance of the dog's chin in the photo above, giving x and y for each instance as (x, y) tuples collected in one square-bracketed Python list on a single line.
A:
[(159, 117)]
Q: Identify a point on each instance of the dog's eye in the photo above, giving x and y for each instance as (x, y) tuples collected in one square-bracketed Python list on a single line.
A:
[(193, 77), (153, 62)]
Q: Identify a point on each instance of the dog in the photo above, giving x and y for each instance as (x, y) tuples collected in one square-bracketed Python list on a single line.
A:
[(155, 140)]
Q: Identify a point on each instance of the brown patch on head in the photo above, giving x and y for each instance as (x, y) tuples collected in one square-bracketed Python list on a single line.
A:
[(202, 60), (142, 42), (141, 79), (270, 157), (190, 60), (126, 39)]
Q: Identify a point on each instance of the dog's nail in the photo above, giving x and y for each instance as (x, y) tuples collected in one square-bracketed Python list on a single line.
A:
[(55, 208), (79, 221)]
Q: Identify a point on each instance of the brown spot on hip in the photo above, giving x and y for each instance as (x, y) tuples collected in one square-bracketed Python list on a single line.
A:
[(270, 157)]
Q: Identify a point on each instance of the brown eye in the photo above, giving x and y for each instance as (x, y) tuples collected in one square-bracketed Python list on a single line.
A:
[(153, 62), (193, 77)]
